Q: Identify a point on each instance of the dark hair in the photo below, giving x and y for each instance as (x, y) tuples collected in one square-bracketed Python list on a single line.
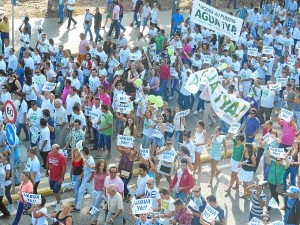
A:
[(104, 107), (132, 125), (185, 150), (86, 150), (241, 137), (43, 122), (46, 112), (211, 198), (201, 123), (143, 166), (98, 163), (43, 201), (164, 191), (187, 134), (21, 61), (184, 160), (28, 80), (249, 146), (76, 108), (78, 121)]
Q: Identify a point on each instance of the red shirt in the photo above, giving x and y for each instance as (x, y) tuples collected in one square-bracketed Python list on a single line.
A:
[(186, 180), (56, 164), (265, 131), (164, 72)]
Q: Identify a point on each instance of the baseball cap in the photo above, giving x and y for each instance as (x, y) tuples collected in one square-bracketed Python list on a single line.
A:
[(292, 190)]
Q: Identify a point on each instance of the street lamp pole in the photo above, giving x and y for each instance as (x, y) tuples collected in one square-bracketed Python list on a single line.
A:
[(13, 3)]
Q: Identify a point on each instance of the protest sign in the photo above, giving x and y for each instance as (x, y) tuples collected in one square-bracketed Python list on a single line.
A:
[(32, 198), (167, 156), (125, 141), (124, 108), (281, 81), (234, 128), (122, 98), (79, 145), (255, 221), (216, 20), (156, 58), (63, 152), (94, 210), (28, 166), (193, 205), (285, 115), (157, 133), (115, 61), (252, 52), (277, 223), (229, 108), (87, 110), (49, 86), (182, 113), (268, 138), (277, 152), (209, 213), (145, 152), (273, 204), (118, 72), (143, 205), (135, 56), (34, 134), (275, 87), (170, 127), (267, 50)]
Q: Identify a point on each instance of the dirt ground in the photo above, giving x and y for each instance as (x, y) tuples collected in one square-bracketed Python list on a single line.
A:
[(40, 9)]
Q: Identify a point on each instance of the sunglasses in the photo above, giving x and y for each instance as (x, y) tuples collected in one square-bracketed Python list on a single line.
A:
[(195, 191), (278, 160), (168, 143), (253, 113), (149, 183), (113, 171), (265, 220)]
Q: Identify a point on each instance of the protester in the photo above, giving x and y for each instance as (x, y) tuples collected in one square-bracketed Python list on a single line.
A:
[(183, 214), (33, 166), (7, 183), (76, 171), (3, 208), (115, 206), (291, 206), (63, 216)]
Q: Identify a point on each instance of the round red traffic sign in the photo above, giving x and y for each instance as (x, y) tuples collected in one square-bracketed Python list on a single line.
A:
[(10, 111)]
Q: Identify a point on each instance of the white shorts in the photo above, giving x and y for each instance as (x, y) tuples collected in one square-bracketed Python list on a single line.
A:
[(199, 149), (234, 165), (245, 176)]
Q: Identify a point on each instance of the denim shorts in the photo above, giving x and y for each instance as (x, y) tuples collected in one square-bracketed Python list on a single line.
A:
[(104, 140), (159, 141), (55, 186)]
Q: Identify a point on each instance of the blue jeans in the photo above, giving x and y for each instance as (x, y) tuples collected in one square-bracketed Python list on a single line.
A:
[(135, 17), (293, 170), (177, 137), (95, 136), (114, 25), (174, 29), (19, 126), (75, 178), (266, 170), (200, 104), (97, 33), (19, 213), (17, 162), (249, 139), (146, 141), (180, 195), (87, 28), (104, 141), (163, 89), (22, 50), (174, 87), (120, 24), (126, 182), (184, 101), (61, 13)]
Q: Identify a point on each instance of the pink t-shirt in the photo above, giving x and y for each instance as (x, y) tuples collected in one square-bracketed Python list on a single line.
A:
[(27, 188), (65, 93), (187, 48), (105, 98), (116, 11), (288, 133), (99, 181), (117, 181), (83, 47)]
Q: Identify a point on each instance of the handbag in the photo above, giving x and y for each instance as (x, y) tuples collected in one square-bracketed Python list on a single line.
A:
[(125, 174)]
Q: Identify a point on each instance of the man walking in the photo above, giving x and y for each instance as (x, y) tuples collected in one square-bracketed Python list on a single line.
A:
[(97, 25), (70, 7), (115, 21)]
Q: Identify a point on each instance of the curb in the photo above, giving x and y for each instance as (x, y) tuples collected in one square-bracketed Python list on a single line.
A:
[(46, 191)]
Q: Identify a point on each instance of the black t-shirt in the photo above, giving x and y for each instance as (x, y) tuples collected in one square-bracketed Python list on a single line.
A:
[(138, 5), (98, 19)]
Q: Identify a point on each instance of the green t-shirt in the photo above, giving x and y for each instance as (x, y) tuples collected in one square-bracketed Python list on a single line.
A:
[(276, 173), (237, 151), (159, 42), (107, 119)]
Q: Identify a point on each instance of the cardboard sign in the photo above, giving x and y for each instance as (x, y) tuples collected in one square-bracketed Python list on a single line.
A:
[(167, 156), (282, 81), (94, 210), (252, 52), (273, 204), (156, 133), (49, 86), (156, 58), (275, 87), (193, 205), (63, 152), (32, 198), (182, 113), (285, 115), (145, 152), (170, 127), (255, 221), (277, 222), (79, 145), (209, 213), (87, 110), (277, 152), (143, 205), (135, 56), (124, 108), (234, 128), (118, 73), (125, 141), (122, 98), (268, 138), (267, 50)]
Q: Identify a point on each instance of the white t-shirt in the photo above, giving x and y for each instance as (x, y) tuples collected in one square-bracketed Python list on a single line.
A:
[(21, 109), (94, 83), (95, 115), (41, 220), (153, 194), (166, 207), (267, 98), (80, 117), (147, 130), (71, 100), (47, 104), (7, 167), (245, 74), (45, 136), (70, 2), (30, 95), (34, 166), (35, 116), (39, 80), (141, 184)]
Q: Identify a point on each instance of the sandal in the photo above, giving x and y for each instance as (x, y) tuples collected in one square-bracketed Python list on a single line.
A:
[(235, 187), (217, 173), (227, 190), (94, 222)]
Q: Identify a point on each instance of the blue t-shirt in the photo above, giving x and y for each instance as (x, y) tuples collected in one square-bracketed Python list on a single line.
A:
[(51, 123), (290, 203), (177, 18), (17, 150), (252, 124)]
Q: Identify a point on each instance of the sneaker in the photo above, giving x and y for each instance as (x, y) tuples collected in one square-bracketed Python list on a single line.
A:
[(195, 112), (57, 207), (10, 208)]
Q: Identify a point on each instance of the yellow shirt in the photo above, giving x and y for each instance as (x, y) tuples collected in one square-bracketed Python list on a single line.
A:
[(4, 27)]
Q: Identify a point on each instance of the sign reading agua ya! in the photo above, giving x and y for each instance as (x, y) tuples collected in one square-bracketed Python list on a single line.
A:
[(32, 198), (227, 107), (285, 115), (268, 138), (255, 221), (126, 141), (167, 156), (268, 50), (145, 152), (209, 214), (49, 86), (143, 205), (277, 152), (234, 128), (252, 51), (277, 223), (216, 20)]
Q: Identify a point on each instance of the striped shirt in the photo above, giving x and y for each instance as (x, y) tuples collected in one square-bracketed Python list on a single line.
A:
[(256, 209)]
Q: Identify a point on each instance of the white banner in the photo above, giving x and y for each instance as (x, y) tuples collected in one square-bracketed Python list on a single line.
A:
[(277, 152), (227, 107), (143, 205), (122, 98), (32, 198), (126, 141), (124, 108), (282, 81), (145, 152), (216, 20), (49, 86), (234, 128), (167, 156), (285, 115), (209, 214)]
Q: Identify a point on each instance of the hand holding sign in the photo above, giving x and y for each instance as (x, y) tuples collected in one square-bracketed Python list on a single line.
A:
[(49, 86), (255, 221), (210, 214), (143, 205), (234, 128), (285, 115)]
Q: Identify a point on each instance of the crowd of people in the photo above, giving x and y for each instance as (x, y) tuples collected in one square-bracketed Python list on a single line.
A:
[(115, 90)]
